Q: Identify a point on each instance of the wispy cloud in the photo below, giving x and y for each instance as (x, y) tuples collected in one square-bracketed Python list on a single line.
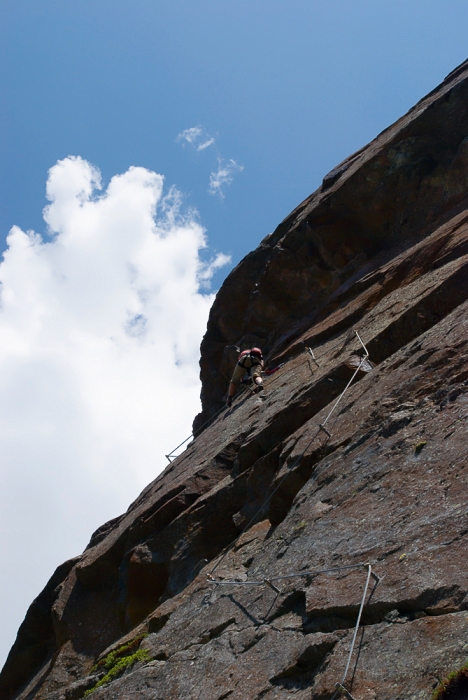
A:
[(223, 176), (197, 137)]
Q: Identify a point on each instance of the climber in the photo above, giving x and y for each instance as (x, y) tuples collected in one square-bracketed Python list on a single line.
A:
[(250, 362)]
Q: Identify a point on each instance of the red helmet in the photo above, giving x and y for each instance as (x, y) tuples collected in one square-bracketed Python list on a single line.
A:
[(256, 351)]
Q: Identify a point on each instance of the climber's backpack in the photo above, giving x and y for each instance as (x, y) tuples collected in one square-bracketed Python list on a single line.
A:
[(249, 358)]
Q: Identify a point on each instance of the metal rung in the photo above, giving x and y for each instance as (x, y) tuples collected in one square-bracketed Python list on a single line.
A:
[(311, 353)]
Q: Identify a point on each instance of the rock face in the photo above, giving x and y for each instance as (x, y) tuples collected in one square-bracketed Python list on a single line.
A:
[(264, 494)]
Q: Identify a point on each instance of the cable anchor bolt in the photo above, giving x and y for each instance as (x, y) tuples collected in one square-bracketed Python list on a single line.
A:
[(272, 585), (322, 427), (342, 691)]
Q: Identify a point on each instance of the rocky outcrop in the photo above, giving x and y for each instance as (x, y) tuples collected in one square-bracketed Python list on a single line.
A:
[(264, 493)]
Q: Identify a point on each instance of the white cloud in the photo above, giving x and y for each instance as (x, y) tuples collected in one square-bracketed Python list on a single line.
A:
[(197, 137), (100, 329), (223, 176)]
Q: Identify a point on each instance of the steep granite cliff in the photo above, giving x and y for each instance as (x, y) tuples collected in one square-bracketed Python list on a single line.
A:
[(263, 494)]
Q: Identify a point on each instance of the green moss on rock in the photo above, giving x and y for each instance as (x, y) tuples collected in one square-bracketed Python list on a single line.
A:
[(117, 661), (454, 686)]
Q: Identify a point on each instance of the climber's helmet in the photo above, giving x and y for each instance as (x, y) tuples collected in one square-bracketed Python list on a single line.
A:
[(257, 352)]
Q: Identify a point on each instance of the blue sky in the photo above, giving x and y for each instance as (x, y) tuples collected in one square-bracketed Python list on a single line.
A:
[(101, 322), (288, 89)]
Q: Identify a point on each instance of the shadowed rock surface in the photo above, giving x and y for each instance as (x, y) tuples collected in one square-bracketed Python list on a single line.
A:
[(381, 247)]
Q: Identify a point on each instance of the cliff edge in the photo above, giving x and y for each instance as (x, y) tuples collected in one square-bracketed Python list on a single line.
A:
[(316, 535)]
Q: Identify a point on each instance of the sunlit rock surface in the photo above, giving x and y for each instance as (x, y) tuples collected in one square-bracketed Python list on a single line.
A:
[(381, 248)]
